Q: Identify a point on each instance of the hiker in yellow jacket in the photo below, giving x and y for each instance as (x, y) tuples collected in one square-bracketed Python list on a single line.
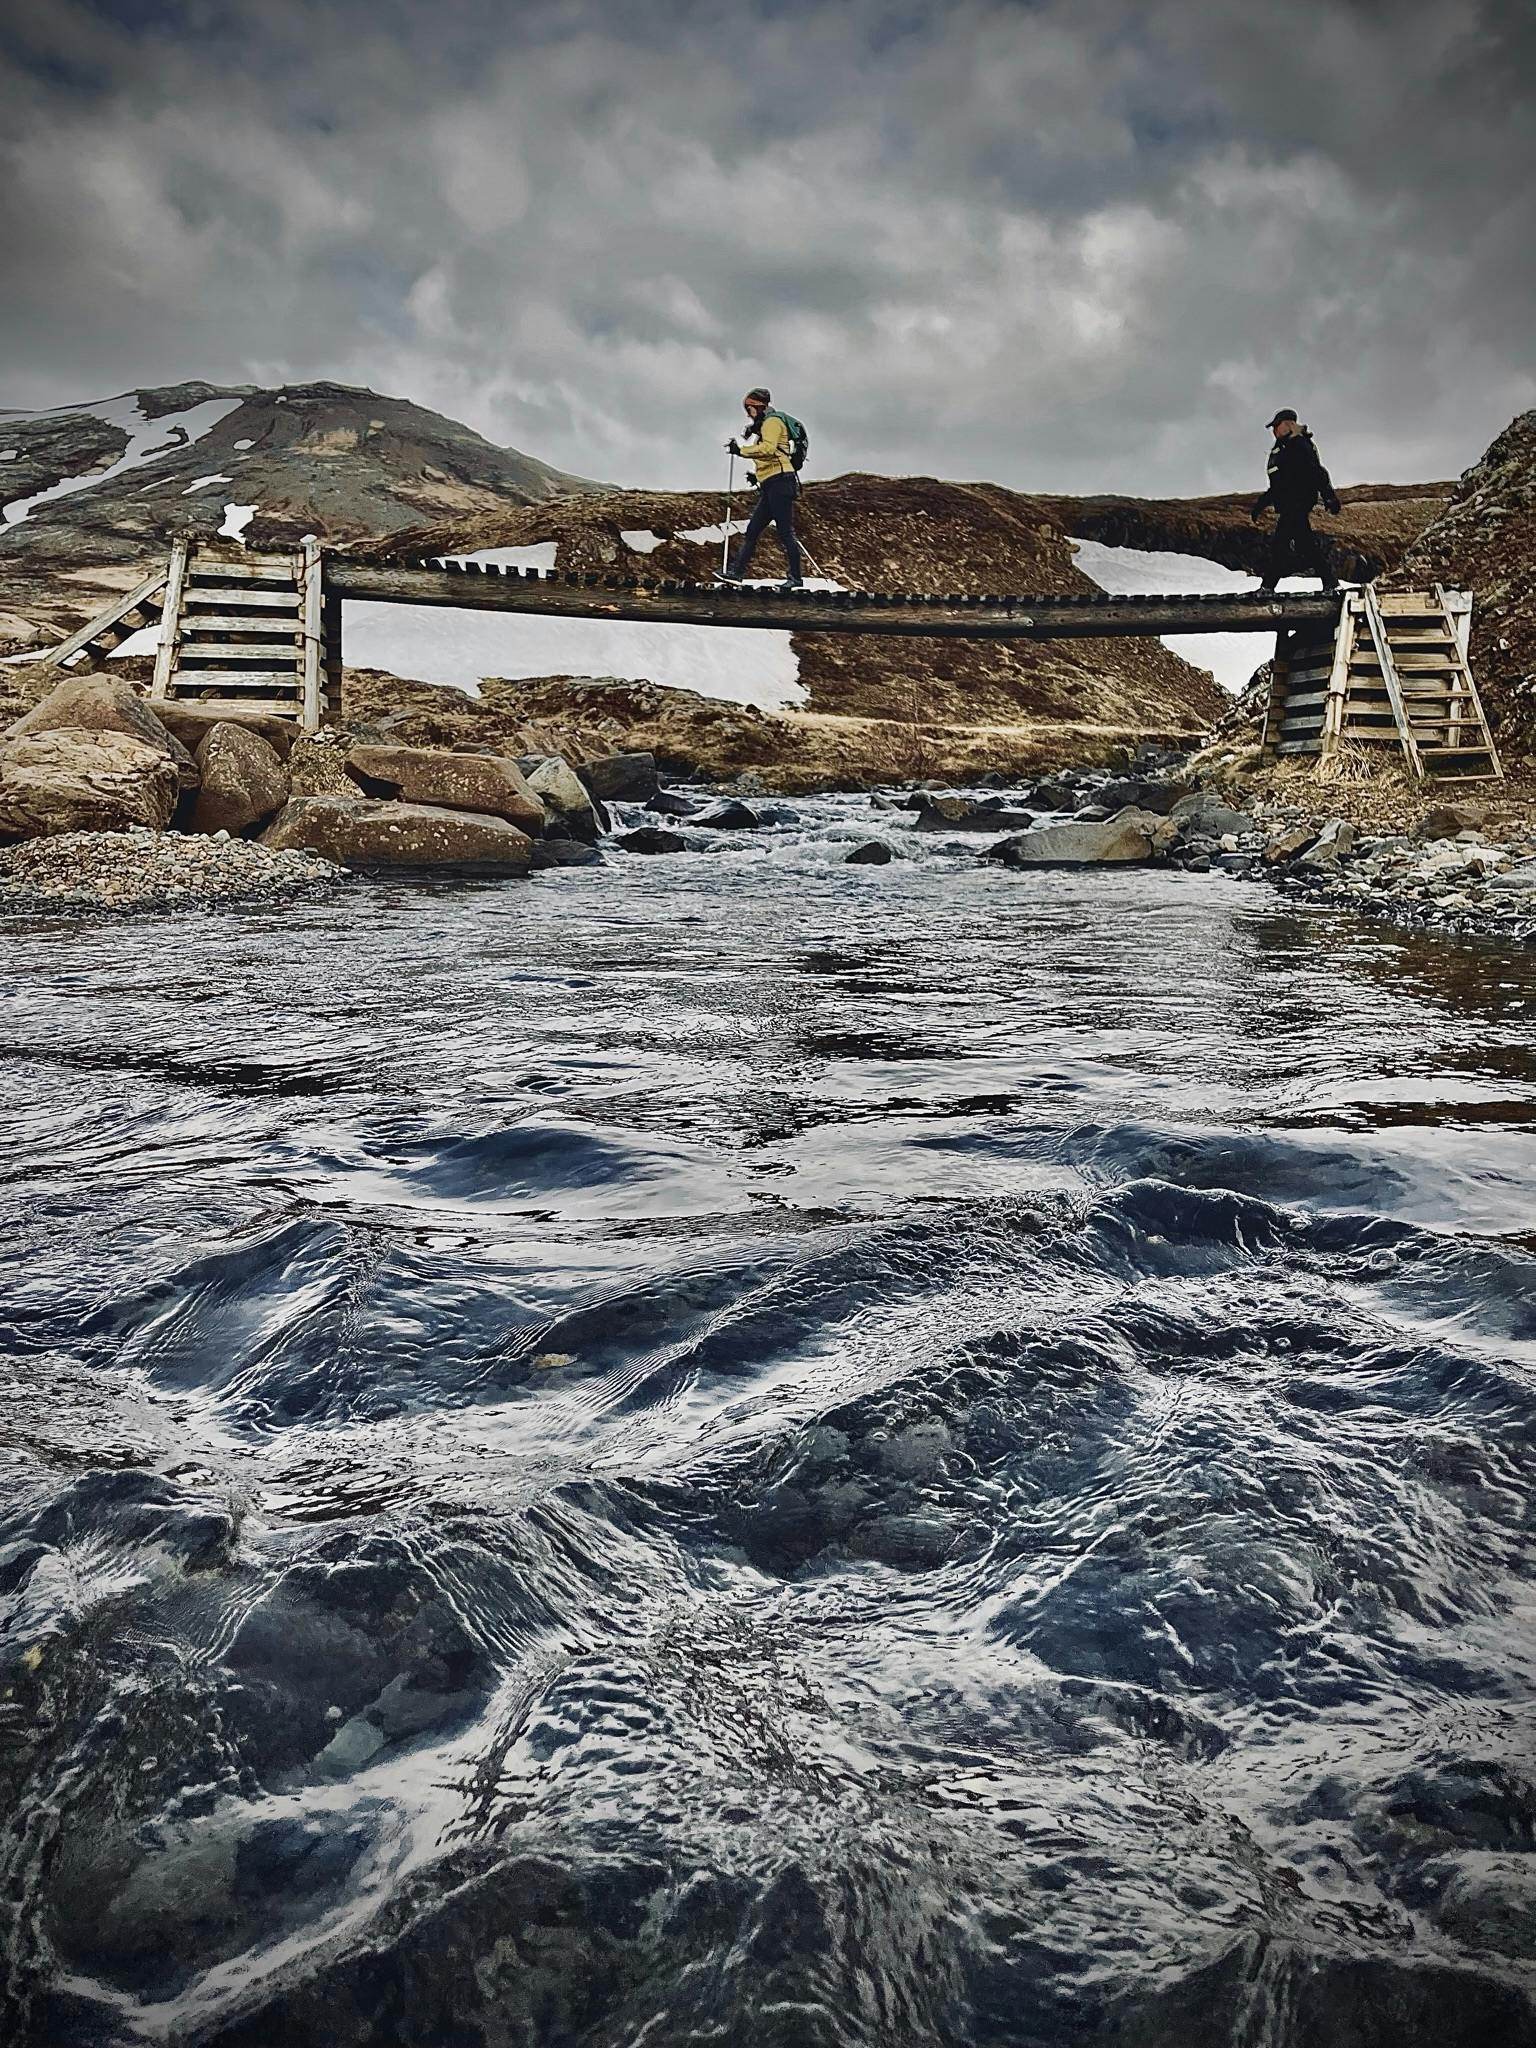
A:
[(777, 488)]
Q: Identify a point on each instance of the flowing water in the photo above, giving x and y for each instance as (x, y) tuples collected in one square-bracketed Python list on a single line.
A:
[(732, 1449)]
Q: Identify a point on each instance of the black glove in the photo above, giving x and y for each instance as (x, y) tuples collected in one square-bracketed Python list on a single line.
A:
[(734, 447), (1256, 513), (1332, 505)]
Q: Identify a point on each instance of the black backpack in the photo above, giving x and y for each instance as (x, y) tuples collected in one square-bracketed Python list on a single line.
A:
[(799, 439)]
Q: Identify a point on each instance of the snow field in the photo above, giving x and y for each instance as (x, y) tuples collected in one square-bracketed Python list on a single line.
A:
[(147, 439)]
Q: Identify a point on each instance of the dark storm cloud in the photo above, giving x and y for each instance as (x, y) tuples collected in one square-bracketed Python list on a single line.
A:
[(1073, 244)]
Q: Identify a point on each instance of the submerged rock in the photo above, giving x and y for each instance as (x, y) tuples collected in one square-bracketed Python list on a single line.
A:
[(652, 839), (730, 816), (373, 832), (874, 853)]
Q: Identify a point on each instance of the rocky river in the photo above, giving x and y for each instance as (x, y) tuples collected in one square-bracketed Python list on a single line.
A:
[(737, 1449)]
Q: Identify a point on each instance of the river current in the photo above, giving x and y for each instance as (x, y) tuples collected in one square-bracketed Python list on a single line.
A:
[(733, 1449)]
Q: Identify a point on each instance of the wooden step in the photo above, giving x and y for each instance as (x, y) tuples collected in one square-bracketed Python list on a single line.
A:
[(1300, 747), (245, 572), (240, 650), (237, 679), (240, 597)]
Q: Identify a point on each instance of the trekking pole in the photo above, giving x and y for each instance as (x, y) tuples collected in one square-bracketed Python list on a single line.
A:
[(730, 486)]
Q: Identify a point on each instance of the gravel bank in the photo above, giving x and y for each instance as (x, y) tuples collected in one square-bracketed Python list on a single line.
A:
[(154, 871)]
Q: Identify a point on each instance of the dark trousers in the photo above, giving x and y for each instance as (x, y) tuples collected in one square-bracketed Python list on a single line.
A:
[(1296, 550), (775, 506)]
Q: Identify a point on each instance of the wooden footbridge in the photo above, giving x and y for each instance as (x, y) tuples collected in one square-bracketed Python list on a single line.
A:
[(248, 632)]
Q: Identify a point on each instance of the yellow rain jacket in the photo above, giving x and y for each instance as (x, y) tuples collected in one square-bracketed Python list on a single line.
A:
[(769, 453)]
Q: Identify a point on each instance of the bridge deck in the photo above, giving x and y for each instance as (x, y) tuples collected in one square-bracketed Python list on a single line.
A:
[(1081, 616)]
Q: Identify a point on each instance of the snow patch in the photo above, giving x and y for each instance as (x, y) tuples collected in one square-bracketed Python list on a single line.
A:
[(1231, 657), (245, 444), (713, 535), (236, 519), (203, 482), (147, 440), (9, 454), (641, 539)]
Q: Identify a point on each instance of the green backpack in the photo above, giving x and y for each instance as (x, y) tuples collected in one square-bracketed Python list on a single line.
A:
[(799, 439)]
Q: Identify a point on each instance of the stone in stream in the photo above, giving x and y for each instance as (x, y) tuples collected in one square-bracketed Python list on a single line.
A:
[(731, 816), (668, 804), (85, 781), (874, 853), (652, 839), (966, 814), (490, 783), (242, 780), (621, 778), (1138, 792), (564, 853), (368, 832), (1208, 817), (563, 794), (1129, 836)]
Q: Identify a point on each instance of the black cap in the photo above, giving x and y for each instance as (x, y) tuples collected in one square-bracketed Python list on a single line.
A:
[(758, 392), (1285, 413)]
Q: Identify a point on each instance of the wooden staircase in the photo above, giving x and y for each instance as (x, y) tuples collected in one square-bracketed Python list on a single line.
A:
[(1393, 674), (242, 632)]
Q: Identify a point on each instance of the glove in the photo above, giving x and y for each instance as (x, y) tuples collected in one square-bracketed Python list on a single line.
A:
[(734, 447), (1256, 513), (1332, 505)]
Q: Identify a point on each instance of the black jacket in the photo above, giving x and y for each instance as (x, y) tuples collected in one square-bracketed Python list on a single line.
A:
[(1297, 478)]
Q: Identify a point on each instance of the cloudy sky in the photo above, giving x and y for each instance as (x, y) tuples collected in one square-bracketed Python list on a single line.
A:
[(1065, 244)]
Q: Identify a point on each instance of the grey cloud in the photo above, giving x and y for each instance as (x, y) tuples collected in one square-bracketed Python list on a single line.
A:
[(1080, 244)]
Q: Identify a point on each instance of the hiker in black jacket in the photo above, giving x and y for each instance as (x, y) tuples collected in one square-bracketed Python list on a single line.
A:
[(1297, 479)]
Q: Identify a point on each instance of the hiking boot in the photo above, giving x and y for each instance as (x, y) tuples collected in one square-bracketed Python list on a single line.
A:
[(793, 583), (1330, 585), (1268, 583)]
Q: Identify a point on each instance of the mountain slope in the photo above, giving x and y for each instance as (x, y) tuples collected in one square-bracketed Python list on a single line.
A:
[(101, 487)]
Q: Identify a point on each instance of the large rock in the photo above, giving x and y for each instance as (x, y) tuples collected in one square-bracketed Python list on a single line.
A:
[(653, 839), (874, 853), (622, 778), (731, 816), (1130, 835), (562, 792), (965, 814), (191, 724), (100, 703), (84, 780), (94, 703), (1290, 841), (1206, 816), (1444, 821), (491, 783), (242, 780), (1330, 846), (372, 832)]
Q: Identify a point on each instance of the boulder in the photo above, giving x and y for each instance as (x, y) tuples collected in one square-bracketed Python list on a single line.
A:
[(366, 832), (1446, 820), (1138, 792), (621, 778), (653, 839), (100, 703), (965, 814), (730, 816), (93, 703), (1129, 836), (563, 793), (668, 804), (191, 724), (489, 783), (1206, 815), (243, 780), (1287, 844), (84, 780), (874, 853), (1330, 846), (1055, 793), (1090, 814), (1517, 881)]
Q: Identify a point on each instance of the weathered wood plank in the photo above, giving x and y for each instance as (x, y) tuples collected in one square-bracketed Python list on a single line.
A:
[(313, 588), (170, 630), (271, 652), (931, 617), (265, 624)]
